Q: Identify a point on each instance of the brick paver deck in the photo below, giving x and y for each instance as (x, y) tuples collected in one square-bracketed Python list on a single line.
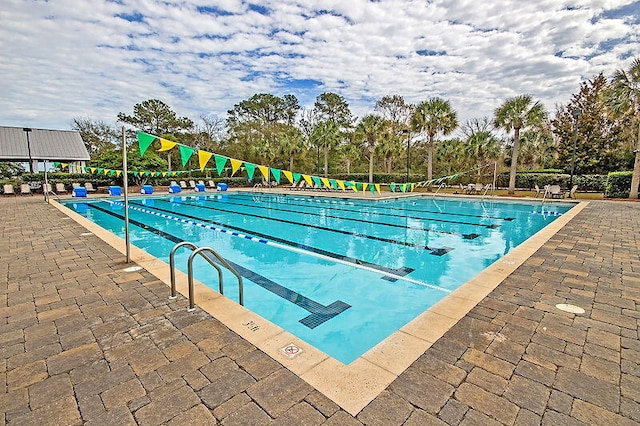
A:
[(81, 341)]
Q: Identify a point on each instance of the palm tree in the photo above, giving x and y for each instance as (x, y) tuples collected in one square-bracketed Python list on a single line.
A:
[(434, 116), (624, 101), (481, 143), (369, 130), (516, 114), (325, 134)]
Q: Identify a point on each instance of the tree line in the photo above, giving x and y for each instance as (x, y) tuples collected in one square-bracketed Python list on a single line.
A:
[(601, 120)]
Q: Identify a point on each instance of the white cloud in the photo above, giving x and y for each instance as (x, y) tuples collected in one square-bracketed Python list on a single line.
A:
[(63, 59)]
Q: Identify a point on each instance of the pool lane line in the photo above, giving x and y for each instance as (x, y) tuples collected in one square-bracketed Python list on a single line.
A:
[(394, 225), (434, 251), (314, 252), (318, 200), (318, 313)]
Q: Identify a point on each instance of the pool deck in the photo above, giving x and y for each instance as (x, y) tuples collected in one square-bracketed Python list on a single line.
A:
[(83, 341)]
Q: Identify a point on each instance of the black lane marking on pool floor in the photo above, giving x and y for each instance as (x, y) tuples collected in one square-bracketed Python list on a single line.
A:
[(318, 199), (435, 251), (465, 236), (394, 225), (319, 313), (402, 271)]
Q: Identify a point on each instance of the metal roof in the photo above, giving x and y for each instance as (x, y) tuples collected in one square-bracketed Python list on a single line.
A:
[(51, 145)]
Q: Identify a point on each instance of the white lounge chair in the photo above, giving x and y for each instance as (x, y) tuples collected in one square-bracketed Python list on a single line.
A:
[(7, 189), (89, 187), (60, 189), (183, 184), (25, 189), (555, 191)]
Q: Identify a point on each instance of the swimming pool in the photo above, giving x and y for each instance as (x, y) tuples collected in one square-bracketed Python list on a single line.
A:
[(341, 274)]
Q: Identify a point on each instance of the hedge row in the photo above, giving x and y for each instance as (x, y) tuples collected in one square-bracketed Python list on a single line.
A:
[(618, 185), (595, 183)]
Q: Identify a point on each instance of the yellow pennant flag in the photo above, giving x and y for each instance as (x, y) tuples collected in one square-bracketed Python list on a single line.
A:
[(265, 171), (326, 182), (118, 173), (307, 178), (203, 158), (235, 165), (288, 175), (378, 188), (166, 145), (364, 187), (341, 184), (93, 169)]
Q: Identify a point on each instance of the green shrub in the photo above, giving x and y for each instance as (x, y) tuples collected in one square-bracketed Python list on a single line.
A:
[(618, 185), (595, 183)]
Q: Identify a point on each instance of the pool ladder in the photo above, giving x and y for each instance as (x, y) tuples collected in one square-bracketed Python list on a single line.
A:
[(211, 256)]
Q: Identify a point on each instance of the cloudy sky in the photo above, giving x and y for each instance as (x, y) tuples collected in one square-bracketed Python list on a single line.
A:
[(67, 58)]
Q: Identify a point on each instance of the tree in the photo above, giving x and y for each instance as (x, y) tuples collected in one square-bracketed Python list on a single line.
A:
[(624, 101), (480, 144), (398, 113), (515, 114), (97, 136), (326, 134), (258, 124), (332, 108), (369, 131), (433, 117), (292, 143), (599, 136), (157, 118)]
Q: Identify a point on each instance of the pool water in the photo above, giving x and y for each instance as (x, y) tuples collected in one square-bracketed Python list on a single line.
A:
[(341, 274)]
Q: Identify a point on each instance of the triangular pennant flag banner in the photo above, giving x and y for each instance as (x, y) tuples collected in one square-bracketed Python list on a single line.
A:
[(316, 181), (185, 153), (144, 141), (265, 172), (288, 175), (203, 158), (250, 168), (118, 173), (372, 188), (307, 179), (166, 145), (296, 177), (341, 184), (276, 174), (235, 165), (378, 188), (220, 163), (392, 187), (364, 187), (56, 164), (325, 182)]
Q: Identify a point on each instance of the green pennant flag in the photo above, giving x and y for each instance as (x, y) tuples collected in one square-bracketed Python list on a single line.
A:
[(185, 153), (403, 187), (220, 163), (317, 181), (392, 187), (112, 172), (250, 168), (99, 170), (144, 141), (296, 177), (147, 173), (56, 164), (372, 188), (276, 174), (334, 183)]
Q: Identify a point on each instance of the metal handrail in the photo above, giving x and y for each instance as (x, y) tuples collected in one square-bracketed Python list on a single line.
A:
[(486, 189), (205, 252), (438, 190), (212, 263)]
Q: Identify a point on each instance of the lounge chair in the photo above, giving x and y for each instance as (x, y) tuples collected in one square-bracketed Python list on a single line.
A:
[(173, 182), (192, 184), (555, 191), (47, 188), (294, 186), (25, 189), (8, 190), (89, 187), (572, 192), (60, 189), (201, 182), (183, 184), (212, 184), (75, 185)]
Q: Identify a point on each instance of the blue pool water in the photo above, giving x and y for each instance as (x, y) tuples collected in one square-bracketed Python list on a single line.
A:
[(340, 274)]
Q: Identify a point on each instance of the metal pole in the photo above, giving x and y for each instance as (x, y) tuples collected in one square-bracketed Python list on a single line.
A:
[(46, 183), (576, 114), (408, 156), (125, 184), (27, 131)]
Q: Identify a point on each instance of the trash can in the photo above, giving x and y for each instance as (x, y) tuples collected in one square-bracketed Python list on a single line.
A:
[(200, 187), (115, 191), (146, 189), (79, 191), (174, 189), (221, 186)]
